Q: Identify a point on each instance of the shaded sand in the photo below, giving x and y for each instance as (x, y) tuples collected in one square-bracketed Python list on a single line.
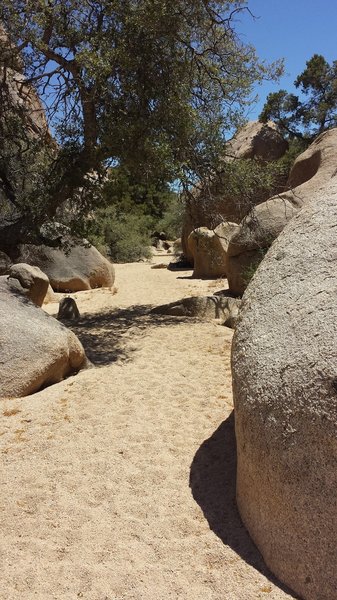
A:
[(119, 483)]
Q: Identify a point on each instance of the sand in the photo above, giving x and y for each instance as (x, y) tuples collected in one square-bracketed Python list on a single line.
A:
[(119, 483)]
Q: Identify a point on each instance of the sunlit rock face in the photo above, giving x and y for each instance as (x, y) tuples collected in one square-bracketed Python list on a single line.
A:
[(312, 171), (35, 349), (284, 365)]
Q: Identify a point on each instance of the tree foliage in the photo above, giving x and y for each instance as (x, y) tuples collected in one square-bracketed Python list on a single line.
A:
[(316, 109), (121, 236), (151, 86), (124, 229), (236, 188)]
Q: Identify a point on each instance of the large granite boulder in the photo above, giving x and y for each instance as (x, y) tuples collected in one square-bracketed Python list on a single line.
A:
[(30, 281), (35, 349), (212, 202), (251, 240), (257, 140), (284, 364), (209, 248), (81, 267), (312, 170)]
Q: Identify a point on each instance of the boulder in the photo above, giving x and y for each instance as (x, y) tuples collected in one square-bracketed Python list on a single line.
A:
[(252, 238), (257, 140), (210, 203), (50, 296), (209, 249), (35, 349), (80, 268), (30, 281), (312, 169), (198, 307), (284, 365), (68, 310)]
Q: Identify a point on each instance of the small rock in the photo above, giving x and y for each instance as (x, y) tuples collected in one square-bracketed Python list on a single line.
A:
[(68, 310)]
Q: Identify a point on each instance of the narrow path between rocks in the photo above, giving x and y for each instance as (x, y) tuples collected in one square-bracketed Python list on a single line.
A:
[(119, 483)]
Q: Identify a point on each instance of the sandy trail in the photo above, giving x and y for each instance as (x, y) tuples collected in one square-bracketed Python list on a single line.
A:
[(119, 483)]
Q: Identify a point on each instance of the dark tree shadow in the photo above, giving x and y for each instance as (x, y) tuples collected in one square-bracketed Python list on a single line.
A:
[(208, 278), (111, 335), (226, 294), (213, 485)]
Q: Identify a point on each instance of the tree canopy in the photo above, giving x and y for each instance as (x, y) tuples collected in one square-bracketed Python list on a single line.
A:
[(150, 86), (313, 112)]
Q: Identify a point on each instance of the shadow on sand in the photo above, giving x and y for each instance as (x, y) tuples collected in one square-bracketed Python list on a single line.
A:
[(213, 485), (112, 335)]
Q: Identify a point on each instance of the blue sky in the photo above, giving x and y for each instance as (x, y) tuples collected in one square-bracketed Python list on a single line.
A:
[(289, 29)]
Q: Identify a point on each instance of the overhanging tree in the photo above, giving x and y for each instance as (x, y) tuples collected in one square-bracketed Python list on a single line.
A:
[(149, 85), (315, 111)]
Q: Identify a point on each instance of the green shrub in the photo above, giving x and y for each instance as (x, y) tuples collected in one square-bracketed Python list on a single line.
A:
[(172, 219), (133, 211), (122, 237)]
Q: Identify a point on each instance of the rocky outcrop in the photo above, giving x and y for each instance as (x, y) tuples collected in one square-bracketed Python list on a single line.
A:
[(285, 394), (50, 296), (35, 349), (213, 202), (312, 170), (250, 242), (20, 95), (209, 249), (200, 307), (257, 140), (81, 267), (30, 281)]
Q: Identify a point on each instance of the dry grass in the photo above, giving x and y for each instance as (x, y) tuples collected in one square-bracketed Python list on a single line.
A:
[(9, 412)]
